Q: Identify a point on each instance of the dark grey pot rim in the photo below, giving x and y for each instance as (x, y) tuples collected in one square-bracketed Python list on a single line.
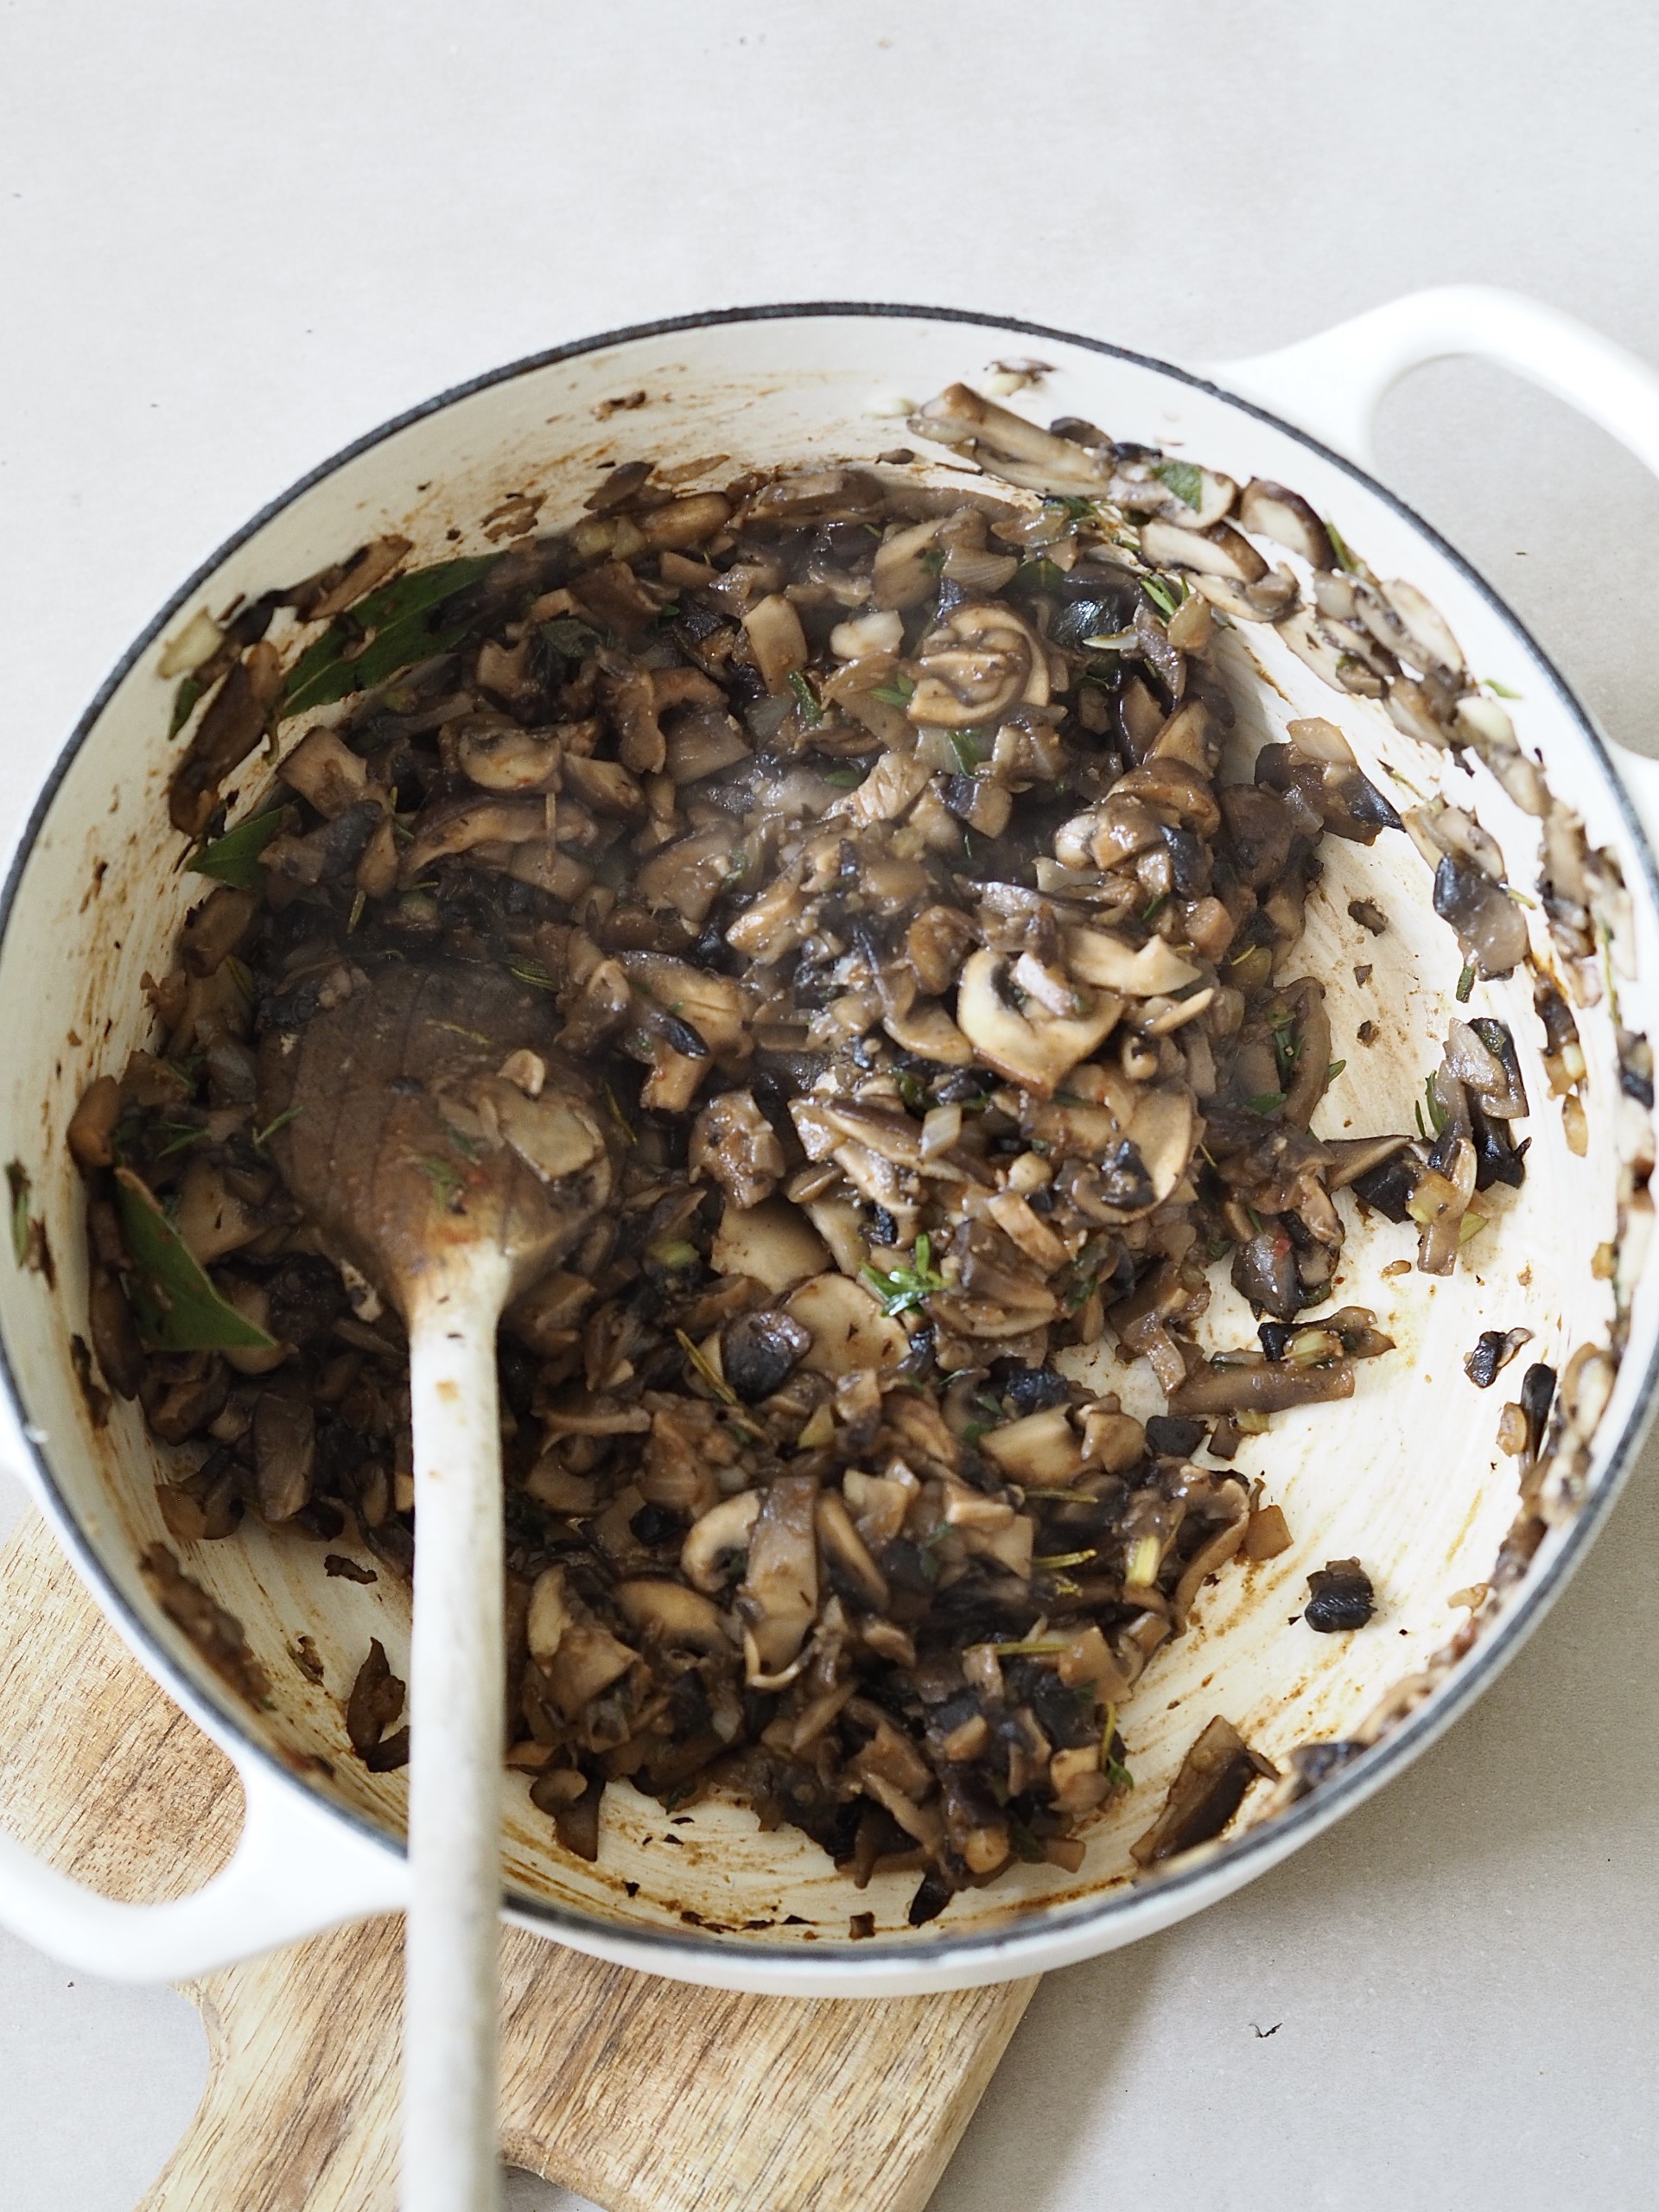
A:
[(1231, 1863)]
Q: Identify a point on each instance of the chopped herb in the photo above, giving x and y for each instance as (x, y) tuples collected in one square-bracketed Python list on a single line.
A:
[(176, 1306), (1149, 913), (933, 560), (912, 1089), (1267, 1102), (619, 1116), (845, 780), (1437, 1115), (1065, 1558), (1344, 558), (531, 971), (234, 858), (187, 1133), (1044, 574), (1031, 1647), (356, 915), (1333, 1071), (902, 1289), (1025, 1844), (899, 693), (706, 1369), (1465, 982), (810, 710), (1076, 508), (1185, 481), (261, 1138), (964, 743), (184, 703), (1500, 690), (398, 621), (1112, 1767), (1161, 593), (444, 1176)]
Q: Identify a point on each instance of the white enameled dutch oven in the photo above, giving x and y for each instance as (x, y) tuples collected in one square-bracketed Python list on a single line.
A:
[(1406, 1475)]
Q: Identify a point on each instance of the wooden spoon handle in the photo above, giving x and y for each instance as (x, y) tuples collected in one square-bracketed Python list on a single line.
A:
[(456, 1718)]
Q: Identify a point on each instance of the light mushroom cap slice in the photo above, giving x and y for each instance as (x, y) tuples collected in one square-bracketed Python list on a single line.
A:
[(1043, 1449), (847, 1325), (1032, 1046), (772, 1242), (1163, 1131), (1143, 971), (680, 1618), (723, 1530)]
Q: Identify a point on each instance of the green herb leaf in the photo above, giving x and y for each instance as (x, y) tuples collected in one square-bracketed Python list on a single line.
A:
[(1344, 558), (1155, 907), (261, 1138), (1437, 1115), (812, 711), (1267, 1102), (1025, 1844), (964, 743), (1185, 481), (1158, 592), (176, 1306), (902, 1289), (398, 619), (1465, 982), (184, 703), (234, 858), (844, 779), (1076, 508), (899, 693), (1499, 690), (933, 560), (1333, 1071), (912, 1089)]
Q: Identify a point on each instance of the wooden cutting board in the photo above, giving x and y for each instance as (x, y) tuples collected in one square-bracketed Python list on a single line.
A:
[(645, 2095)]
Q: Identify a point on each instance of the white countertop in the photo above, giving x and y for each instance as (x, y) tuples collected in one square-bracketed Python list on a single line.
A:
[(231, 240)]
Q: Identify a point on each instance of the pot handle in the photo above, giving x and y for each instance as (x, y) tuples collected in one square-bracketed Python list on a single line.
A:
[(1332, 385), (296, 1871)]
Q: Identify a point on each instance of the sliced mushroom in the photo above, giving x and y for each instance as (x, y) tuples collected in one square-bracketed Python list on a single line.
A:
[(733, 1142), (980, 662), (323, 769), (717, 1539), (494, 752), (284, 1451), (1220, 551), (456, 825), (776, 639), (779, 1598), (669, 1614), (1112, 963), (1030, 1046), (1204, 1796), (1043, 1451), (1270, 511), (1017, 450), (847, 1325), (771, 1241)]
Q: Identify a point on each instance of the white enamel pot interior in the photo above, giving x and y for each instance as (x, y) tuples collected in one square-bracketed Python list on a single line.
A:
[(1407, 1475)]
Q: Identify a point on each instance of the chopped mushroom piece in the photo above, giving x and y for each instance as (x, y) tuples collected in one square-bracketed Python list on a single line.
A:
[(1204, 1796)]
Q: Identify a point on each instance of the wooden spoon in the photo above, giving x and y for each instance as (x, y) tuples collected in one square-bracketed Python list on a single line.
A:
[(447, 1152)]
